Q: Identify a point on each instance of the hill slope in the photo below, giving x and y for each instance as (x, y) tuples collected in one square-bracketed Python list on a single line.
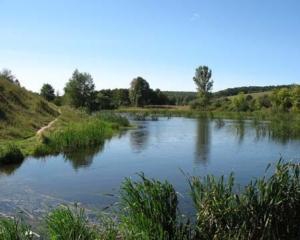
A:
[(22, 112)]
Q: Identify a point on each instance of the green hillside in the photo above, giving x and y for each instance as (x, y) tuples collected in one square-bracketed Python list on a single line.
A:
[(22, 112)]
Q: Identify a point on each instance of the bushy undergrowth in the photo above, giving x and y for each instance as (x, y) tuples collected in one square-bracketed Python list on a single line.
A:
[(10, 154), (267, 208)]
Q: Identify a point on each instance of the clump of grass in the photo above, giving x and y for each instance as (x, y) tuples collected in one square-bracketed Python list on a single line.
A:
[(74, 136), (87, 131), (108, 229), (268, 208), (10, 154), (112, 117), (150, 210), (65, 224), (13, 229)]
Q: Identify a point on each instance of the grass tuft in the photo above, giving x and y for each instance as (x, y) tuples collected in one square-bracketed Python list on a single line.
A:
[(65, 224), (10, 154)]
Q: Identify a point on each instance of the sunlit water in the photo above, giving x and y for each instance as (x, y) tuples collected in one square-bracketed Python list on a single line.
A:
[(161, 149)]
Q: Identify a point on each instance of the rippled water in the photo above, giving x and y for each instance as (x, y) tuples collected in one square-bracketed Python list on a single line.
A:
[(161, 149)]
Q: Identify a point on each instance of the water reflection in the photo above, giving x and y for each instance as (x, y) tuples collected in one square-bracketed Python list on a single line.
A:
[(240, 130), (203, 140), (9, 169), (83, 158), (139, 139)]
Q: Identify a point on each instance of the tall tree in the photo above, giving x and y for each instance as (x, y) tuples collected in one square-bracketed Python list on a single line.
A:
[(47, 92), (204, 84), (139, 92), (79, 90)]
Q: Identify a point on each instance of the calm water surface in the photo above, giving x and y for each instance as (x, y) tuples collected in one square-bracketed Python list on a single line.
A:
[(161, 149)]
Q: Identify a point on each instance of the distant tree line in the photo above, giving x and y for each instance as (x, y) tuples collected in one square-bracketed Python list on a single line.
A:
[(251, 89), (80, 92)]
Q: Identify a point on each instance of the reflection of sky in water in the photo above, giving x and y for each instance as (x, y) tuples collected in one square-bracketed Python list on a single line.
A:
[(160, 149)]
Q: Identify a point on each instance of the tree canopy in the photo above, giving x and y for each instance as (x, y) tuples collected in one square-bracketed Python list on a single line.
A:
[(79, 90), (47, 92), (139, 92), (204, 84)]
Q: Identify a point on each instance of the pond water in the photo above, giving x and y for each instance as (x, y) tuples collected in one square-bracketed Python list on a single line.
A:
[(161, 149)]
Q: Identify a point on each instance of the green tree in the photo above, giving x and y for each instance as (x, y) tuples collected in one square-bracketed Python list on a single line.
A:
[(240, 102), (79, 90), (47, 92), (204, 84), (281, 99), (296, 98), (139, 92)]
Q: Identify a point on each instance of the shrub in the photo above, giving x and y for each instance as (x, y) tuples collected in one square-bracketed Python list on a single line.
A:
[(11, 154)]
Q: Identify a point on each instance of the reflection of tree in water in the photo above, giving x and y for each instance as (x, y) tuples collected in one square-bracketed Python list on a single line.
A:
[(83, 158), (139, 139), (239, 126), (203, 140), (9, 169), (219, 123)]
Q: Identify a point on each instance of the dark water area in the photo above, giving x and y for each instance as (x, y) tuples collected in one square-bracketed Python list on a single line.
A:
[(161, 149)]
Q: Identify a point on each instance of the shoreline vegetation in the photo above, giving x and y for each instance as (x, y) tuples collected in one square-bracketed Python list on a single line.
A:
[(266, 208), (73, 129)]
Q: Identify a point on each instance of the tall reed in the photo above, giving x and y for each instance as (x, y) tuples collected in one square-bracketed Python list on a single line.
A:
[(150, 211), (268, 208)]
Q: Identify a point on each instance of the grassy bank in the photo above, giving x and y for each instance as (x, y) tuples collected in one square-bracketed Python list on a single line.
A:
[(185, 111), (267, 208), (72, 129)]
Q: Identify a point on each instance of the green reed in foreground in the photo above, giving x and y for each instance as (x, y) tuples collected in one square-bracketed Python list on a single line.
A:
[(267, 208), (13, 229), (150, 211), (65, 224)]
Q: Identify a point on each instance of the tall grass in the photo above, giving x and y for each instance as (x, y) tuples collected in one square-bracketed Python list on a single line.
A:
[(88, 132), (150, 211), (268, 208), (65, 224), (13, 229)]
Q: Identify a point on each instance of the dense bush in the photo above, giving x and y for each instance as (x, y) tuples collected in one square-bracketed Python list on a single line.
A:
[(10, 154)]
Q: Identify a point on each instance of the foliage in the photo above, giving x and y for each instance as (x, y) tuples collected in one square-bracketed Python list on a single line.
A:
[(8, 75), (14, 229), (240, 102), (65, 224), (79, 90), (47, 92), (86, 132), (139, 92), (268, 208), (281, 99), (149, 210), (204, 84), (10, 154)]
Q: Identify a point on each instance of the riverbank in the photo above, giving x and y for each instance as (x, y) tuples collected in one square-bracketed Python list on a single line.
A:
[(71, 130), (186, 111), (266, 208)]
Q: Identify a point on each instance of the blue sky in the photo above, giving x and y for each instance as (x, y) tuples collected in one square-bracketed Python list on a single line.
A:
[(244, 42)]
